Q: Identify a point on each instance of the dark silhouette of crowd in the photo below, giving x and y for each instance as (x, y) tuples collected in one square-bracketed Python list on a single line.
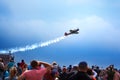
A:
[(39, 70)]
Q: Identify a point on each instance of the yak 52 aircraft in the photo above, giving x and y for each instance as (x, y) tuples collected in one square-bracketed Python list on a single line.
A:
[(75, 31)]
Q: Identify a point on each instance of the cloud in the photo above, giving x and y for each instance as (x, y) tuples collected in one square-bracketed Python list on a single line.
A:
[(37, 6), (32, 28), (92, 28), (25, 28), (26, 8)]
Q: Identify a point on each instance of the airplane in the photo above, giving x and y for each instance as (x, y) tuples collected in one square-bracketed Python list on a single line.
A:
[(75, 31)]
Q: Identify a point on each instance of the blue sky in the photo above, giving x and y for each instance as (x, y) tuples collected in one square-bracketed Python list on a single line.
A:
[(25, 22)]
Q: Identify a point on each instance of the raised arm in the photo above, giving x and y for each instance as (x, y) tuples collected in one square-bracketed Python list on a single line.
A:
[(45, 64)]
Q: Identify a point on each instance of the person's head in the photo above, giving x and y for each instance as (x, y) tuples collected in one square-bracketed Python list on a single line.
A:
[(64, 69), (13, 71), (1, 60), (54, 63), (11, 60), (22, 61), (70, 66), (75, 68), (18, 64), (34, 64), (83, 66), (90, 71)]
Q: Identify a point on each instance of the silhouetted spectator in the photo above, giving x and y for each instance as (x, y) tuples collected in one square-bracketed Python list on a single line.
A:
[(22, 64), (91, 74), (54, 71), (63, 75), (10, 64), (19, 69), (1, 69), (82, 73), (69, 68), (110, 72)]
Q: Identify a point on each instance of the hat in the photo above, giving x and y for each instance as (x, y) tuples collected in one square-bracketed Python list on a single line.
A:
[(54, 63), (83, 64)]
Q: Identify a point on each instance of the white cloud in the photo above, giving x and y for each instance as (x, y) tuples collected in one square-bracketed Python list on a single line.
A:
[(33, 28), (22, 6), (92, 29), (25, 7), (26, 28)]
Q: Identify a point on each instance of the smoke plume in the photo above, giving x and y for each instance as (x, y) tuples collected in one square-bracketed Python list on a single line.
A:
[(33, 46)]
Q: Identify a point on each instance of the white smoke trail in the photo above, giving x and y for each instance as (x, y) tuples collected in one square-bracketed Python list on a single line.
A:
[(33, 46)]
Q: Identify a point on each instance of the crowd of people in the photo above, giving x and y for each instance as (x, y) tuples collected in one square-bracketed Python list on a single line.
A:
[(39, 70)]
